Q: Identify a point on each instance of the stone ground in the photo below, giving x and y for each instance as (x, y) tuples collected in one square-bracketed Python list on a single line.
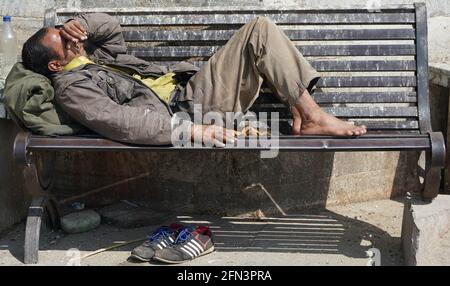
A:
[(441, 253), (336, 236)]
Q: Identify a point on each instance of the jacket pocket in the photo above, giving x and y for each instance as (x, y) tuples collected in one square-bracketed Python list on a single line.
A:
[(117, 88)]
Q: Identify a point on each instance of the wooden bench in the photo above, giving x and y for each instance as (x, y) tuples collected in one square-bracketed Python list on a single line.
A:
[(374, 67)]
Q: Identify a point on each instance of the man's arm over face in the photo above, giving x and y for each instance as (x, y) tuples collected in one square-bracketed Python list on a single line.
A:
[(103, 31), (86, 102)]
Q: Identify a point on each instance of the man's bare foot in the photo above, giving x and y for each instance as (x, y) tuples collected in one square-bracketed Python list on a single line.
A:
[(322, 123), (315, 121)]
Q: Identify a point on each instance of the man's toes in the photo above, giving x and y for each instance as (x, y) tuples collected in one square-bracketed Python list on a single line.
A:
[(359, 131)]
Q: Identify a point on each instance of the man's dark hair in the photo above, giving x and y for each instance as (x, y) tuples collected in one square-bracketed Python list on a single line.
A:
[(36, 55)]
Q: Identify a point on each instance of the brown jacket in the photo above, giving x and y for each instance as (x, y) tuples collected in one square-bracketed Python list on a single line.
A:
[(112, 104)]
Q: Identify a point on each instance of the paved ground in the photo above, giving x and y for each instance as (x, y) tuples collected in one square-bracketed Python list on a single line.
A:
[(441, 253), (336, 236)]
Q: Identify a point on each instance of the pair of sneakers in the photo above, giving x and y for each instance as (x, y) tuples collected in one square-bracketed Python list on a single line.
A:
[(175, 243)]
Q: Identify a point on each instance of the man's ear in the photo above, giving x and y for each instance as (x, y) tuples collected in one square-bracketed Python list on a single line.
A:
[(55, 66)]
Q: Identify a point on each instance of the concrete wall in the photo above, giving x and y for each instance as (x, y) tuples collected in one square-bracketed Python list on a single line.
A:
[(218, 182)]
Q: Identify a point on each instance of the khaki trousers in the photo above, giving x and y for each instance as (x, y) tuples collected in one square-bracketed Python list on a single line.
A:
[(231, 80)]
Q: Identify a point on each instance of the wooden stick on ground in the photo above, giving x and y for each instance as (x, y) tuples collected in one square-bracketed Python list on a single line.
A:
[(111, 247)]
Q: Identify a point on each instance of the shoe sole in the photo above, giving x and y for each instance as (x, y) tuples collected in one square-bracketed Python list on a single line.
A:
[(177, 262), (140, 258)]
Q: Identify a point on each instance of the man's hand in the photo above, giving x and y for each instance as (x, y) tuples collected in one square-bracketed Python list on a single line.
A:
[(212, 135), (74, 31)]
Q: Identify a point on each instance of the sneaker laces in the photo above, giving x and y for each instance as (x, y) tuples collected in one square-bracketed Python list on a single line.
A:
[(159, 233), (184, 235)]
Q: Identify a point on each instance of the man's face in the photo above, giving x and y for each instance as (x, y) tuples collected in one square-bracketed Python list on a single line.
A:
[(65, 49)]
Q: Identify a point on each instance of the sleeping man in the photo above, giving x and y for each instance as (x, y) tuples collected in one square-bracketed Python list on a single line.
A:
[(131, 100)]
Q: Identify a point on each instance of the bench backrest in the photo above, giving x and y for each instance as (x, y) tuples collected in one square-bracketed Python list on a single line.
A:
[(374, 63)]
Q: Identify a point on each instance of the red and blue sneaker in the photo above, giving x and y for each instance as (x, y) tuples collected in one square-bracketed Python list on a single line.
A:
[(190, 244), (163, 237)]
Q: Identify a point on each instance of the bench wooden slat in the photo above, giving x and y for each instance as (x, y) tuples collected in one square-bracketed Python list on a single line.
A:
[(375, 111), (367, 97), (396, 132), (406, 65), (294, 35), (361, 112), (349, 97), (388, 125), (368, 81), (311, 50), (344, 65), (381, 125), (239, 18)]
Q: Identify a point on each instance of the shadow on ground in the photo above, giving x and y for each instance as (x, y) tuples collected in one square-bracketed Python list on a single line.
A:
[(309, 232)]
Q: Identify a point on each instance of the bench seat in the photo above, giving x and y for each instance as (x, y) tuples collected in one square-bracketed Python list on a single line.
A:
[(370, 142)]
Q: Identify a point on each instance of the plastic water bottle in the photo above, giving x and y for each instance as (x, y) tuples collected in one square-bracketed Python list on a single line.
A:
[(8, 48)]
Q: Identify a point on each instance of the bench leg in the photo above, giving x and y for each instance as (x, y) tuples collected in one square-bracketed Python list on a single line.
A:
[(435, 161), (38, 181), (39, 205)]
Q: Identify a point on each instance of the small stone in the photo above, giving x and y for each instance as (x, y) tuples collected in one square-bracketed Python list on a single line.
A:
[(365, 242), (80, 221)]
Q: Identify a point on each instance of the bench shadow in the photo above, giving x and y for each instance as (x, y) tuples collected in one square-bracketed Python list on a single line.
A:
[(293, 229), (309, 232)]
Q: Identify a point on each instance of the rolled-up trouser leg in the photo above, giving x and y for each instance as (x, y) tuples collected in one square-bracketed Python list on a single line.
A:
[(231, 80)]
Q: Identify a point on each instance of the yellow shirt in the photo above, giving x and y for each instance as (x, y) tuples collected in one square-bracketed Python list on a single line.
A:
[(163, 86)]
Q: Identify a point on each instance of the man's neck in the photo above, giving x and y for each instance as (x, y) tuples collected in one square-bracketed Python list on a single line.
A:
[(76, 62)]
